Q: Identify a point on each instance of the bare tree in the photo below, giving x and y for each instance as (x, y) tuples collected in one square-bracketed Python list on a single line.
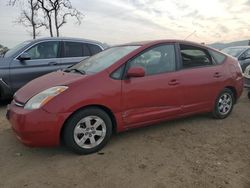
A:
[(48, 10), (62, 10), (29, 16), (52, 14)]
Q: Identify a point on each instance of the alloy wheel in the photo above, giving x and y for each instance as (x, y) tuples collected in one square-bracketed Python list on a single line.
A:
[(225, 104), (90, 132)]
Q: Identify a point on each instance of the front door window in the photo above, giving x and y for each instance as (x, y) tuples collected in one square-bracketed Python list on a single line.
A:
[(160, 59), (44, 50)]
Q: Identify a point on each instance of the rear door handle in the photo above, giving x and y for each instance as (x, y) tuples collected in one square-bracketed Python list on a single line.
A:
[(173, 82), (217, 75), (53, 63)]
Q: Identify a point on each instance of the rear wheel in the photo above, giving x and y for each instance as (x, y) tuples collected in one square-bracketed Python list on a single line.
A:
[(87, 131), (224, 104)]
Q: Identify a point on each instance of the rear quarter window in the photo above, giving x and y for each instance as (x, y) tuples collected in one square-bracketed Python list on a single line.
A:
[(218, 57), (94, 49)]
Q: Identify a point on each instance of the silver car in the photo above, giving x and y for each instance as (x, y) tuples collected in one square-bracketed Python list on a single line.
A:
[(242, 53), (35, 58)]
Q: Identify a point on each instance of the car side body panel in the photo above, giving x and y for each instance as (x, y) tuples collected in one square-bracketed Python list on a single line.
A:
[(157, 98)]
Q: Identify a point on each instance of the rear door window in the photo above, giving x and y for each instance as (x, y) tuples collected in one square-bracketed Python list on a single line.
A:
[(157, 60), (193, 56), (73, 49), (86, 50)]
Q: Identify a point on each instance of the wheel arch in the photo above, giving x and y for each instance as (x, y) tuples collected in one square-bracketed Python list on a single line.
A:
[(234, 92), (102, 107)]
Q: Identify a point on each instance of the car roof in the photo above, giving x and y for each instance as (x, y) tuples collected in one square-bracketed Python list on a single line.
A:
[(155, 42), (67, 38)]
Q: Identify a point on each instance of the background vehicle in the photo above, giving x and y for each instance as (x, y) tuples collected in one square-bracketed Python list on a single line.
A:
[(242, 53), (121, 88), (35, 58)]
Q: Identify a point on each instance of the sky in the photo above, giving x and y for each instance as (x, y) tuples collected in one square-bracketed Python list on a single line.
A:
[(121, 21)]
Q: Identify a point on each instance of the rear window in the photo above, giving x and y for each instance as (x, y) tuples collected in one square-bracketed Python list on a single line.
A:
[(218, 57)]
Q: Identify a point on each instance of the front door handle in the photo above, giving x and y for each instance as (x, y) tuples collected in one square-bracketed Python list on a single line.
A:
[(217, 75), (53, 63), (173, 82)]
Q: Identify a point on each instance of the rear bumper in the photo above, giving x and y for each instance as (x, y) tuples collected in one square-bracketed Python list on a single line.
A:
[(239, 86), (36, 128)]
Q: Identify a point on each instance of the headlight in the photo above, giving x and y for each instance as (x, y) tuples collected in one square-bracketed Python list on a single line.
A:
[(45, 96)]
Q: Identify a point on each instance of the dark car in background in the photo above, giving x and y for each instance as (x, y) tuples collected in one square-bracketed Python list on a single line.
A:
[(242, 53), (35, 58)]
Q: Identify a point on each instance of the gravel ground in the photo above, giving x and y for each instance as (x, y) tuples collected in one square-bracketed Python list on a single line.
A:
[(194, 152)]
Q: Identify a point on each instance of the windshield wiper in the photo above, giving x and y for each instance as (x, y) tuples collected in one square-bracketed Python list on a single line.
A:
[(75, 70)]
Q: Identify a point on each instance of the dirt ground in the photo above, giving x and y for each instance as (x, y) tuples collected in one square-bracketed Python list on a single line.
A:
[(194, 152)]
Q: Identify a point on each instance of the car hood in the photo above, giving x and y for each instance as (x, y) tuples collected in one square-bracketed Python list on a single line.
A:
[(44, 82)]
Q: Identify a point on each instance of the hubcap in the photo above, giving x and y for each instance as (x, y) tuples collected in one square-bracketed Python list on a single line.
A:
[(89, 132), (225, 104)]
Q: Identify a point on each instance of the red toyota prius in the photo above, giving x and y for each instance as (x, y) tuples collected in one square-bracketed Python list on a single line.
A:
[(121, 88)]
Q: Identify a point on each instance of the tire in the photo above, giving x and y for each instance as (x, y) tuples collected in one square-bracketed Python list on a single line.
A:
[(87, 131), (224, 104), (248, 94)]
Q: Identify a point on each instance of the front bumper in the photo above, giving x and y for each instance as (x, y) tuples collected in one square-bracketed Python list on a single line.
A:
[(36, 128), (6, 91)]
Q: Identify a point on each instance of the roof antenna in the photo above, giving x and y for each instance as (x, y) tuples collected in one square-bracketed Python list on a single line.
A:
[(190, 35)]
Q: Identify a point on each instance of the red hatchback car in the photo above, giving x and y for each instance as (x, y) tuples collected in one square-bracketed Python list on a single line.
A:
[(121, 88)]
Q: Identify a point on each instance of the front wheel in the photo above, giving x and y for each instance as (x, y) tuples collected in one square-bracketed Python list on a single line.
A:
[(224, 104), (87, 131)]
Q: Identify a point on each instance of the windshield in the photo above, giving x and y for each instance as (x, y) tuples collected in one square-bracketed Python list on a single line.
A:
[(12, 51), (103, 59), (235, 52)]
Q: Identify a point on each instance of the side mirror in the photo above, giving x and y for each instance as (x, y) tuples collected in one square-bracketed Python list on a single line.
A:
[(24, 56), (136, 72)]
